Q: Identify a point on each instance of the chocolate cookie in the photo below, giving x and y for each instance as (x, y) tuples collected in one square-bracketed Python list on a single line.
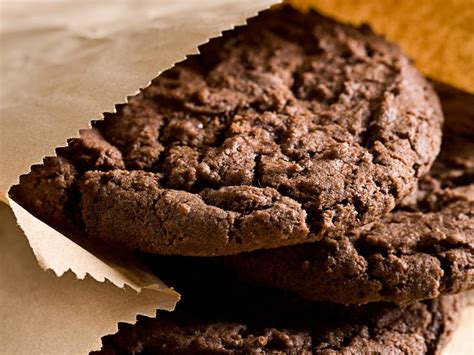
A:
[(421, 250), (421, 328), (214, 318), (285, 131)]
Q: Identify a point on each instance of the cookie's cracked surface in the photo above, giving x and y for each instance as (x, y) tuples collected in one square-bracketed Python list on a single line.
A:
[(333, 122), (421, 250)]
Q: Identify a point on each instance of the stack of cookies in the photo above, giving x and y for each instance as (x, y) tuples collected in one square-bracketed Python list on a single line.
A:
[(291, 182)]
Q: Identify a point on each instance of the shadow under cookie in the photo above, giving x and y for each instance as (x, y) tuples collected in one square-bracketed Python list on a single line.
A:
[(219, 314)]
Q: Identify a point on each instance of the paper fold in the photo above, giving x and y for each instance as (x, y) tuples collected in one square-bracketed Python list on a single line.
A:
[(59, 254), (43, 314)]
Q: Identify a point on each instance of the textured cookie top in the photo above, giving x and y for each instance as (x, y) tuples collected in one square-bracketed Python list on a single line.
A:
[(421, 250), (221, 316), (283, 131)]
